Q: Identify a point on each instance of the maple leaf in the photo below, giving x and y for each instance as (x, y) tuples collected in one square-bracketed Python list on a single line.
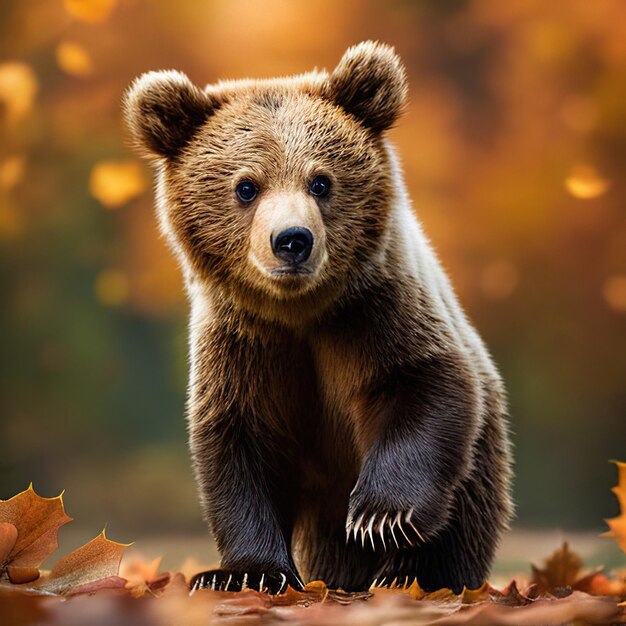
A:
[(560, 571), (29, 525), (87, 569), (142, 577), (618, 524)]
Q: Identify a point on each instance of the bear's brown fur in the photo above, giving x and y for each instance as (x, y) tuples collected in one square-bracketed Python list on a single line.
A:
[(343, 396)]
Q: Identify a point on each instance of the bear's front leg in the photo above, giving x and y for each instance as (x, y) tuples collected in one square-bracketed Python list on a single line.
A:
[(421, 420), (249, 519)]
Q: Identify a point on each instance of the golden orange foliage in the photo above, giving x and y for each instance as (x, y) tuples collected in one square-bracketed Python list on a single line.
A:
[(618, 524)]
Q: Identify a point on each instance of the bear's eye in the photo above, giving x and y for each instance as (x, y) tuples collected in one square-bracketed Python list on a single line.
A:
[(320, 186), (246, 191)]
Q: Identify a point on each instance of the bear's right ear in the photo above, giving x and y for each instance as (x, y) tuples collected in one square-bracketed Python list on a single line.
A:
[(163, 110)]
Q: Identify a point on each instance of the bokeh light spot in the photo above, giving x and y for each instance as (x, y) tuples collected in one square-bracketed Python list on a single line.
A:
[(585, 182), (12, 171), (18, 86), (73, 59), (90, 11), (112, 287), (114, 183), (615, 293)]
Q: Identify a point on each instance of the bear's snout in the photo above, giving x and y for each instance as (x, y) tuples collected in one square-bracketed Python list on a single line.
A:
[(288, 240), (293, 245)]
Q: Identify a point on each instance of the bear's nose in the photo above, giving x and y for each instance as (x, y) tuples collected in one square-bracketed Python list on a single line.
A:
[(293, 245)]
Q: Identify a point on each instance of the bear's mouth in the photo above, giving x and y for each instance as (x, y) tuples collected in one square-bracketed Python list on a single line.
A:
[(296, 270)]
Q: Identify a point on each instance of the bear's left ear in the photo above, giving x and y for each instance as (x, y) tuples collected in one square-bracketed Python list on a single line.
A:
[(163, 110), (370, 83)]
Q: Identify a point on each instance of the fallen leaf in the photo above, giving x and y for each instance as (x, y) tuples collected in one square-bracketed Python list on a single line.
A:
[(89, 568), (618, 524), (37, 521), (21, 575), (8, 537), (599, 584), (142, 577), (560, 570), (473, 596)]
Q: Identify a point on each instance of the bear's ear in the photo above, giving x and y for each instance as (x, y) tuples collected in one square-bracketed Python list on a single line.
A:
[(163, 110), (370, 83)]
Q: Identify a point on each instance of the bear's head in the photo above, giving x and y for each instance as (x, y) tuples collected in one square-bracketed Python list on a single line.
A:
[(276, 191)]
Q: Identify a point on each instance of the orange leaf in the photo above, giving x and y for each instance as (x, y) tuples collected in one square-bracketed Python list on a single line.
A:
[(142, 577), (472, 596), (37, 521), (618, 524), (91, 567)]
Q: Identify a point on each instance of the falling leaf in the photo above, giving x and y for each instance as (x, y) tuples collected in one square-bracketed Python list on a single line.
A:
[(112, 287), (585, 182), (73, 59), (89, 568), (618, 524), (560, 570), (18, 86), (114, 183), (90, 11), (37, 521)]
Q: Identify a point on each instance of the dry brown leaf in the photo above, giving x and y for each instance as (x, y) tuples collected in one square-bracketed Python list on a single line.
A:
[(560, 570), (618, 524), (89, 568), (20, 575), (8, 537), (37, 521)]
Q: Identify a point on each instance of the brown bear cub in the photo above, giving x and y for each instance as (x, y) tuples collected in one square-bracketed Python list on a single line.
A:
[(345, 420)]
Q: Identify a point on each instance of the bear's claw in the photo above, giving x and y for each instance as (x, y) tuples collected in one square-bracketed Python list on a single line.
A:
[(228, 580), (372, 528), (399, 582)]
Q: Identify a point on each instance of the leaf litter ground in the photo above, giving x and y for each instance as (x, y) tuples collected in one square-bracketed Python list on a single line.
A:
[(92, 585)]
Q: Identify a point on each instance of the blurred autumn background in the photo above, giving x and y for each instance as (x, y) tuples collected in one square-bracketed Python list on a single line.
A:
[(514, 146)]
